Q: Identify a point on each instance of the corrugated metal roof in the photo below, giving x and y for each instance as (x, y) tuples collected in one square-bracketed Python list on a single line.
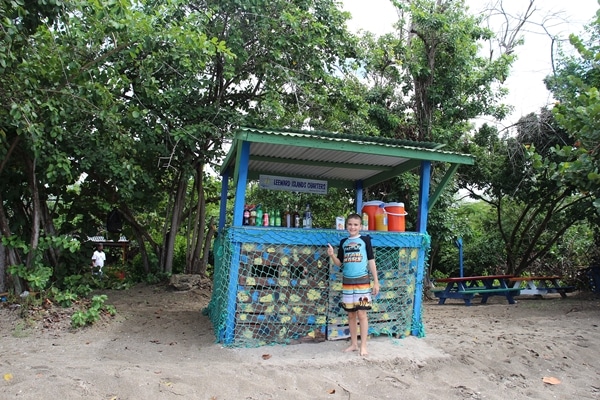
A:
[(338, 158)]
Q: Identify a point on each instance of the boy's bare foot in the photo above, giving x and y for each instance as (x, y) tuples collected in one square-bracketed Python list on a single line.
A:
[(364, 352), (350, 348)]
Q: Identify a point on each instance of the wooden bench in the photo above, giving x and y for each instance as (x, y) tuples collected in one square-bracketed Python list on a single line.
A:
[(466, 287), (486, 293), (540, 285), (515, 292)]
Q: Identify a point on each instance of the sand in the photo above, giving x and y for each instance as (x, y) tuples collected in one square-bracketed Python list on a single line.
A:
[(160, 346)]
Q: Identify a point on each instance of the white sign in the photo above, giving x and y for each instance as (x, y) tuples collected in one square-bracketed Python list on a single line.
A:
[(292, 184)]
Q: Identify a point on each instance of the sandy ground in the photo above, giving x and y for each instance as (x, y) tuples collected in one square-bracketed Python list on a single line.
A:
[(160, 346)]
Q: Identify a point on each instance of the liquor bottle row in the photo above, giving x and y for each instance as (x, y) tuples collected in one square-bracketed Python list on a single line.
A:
[(256, 215)]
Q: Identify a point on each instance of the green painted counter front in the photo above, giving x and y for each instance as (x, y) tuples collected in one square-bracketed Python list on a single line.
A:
[(277, 285)]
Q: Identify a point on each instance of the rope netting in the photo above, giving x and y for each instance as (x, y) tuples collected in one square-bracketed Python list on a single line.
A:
[(277, 285)]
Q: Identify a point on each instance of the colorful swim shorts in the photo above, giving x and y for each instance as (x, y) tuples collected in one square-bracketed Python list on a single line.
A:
[(356, 293)]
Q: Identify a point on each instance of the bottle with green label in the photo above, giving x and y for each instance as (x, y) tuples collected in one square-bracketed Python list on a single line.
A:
[(278, 218), (259, 215)]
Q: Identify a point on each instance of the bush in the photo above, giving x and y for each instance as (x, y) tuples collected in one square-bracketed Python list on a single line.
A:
[(92, 314)]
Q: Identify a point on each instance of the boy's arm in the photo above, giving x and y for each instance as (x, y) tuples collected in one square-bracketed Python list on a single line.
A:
[(373, 270)]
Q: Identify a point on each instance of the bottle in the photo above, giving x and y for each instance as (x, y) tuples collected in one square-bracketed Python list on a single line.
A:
[(272, 214), (296, 219), (266, 217), (287, 217), (277, 218), (259, 215), (246, 215), (307, 223), (252, 221), (365, 221), (381, 223)]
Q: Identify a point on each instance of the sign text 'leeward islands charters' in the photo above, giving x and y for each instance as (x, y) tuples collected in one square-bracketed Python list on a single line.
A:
[(293, 184)]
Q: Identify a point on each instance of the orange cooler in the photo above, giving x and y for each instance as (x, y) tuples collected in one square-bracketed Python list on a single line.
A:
[(395, 214), (372, 209)]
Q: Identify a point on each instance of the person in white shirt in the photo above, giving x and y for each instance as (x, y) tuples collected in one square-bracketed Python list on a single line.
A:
[(98, 259)]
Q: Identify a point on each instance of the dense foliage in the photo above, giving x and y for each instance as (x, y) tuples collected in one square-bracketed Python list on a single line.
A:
[(576, 85), (127, 106)]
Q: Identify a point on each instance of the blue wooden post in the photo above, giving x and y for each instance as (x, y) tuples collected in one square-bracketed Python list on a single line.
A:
[(359, 197), (423, 212), (240, 189), (234, 267), (459, 244), (234, 271)]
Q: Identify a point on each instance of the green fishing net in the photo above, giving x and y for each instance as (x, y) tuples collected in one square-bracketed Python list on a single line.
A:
[(277, 286)]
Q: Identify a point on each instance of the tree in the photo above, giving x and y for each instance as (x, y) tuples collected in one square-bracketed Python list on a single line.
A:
[(575, 85), (19, 24), (451, 81), (427, 82), (66, 99), (123, 87), (532, 212)]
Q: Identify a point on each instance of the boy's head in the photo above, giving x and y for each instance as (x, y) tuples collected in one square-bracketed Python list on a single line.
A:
[(354, 216), (353, 224)]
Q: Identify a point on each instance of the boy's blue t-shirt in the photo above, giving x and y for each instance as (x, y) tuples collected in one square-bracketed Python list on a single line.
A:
[(354, 254)]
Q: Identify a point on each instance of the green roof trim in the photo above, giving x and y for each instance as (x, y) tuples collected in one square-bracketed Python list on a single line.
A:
[(348, 136), (341, 159)]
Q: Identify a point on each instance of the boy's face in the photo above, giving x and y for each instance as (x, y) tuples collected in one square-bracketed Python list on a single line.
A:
[(353, 226)]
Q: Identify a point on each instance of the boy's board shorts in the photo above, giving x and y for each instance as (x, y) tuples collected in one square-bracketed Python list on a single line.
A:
[(356, 293)]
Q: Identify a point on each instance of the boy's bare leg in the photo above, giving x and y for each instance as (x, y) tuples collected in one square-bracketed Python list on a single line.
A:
[(364, 331), (353, 332)]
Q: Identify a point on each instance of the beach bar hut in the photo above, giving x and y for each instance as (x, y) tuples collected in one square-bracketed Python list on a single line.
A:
[(277, 285)]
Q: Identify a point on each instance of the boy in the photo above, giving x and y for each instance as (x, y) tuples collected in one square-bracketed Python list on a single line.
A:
[(98, 259), (355, 253)]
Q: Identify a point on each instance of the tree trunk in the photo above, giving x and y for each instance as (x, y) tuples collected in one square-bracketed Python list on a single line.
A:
[(177, 212), (595, 259), (207, 242), (200, 222), (10, 255), (143, 252), (35, 214), (52, 254), (3, 263), (141, 235), (423, 80)]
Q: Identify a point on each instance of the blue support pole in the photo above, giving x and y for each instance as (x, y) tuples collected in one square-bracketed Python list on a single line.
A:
[(459, 244), (240, 189), (423, 213), (234, 271), (234, 267), (359, 197)]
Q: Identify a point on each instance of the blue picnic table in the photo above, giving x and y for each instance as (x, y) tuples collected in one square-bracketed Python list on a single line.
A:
[(540, 285), (466, 287)]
